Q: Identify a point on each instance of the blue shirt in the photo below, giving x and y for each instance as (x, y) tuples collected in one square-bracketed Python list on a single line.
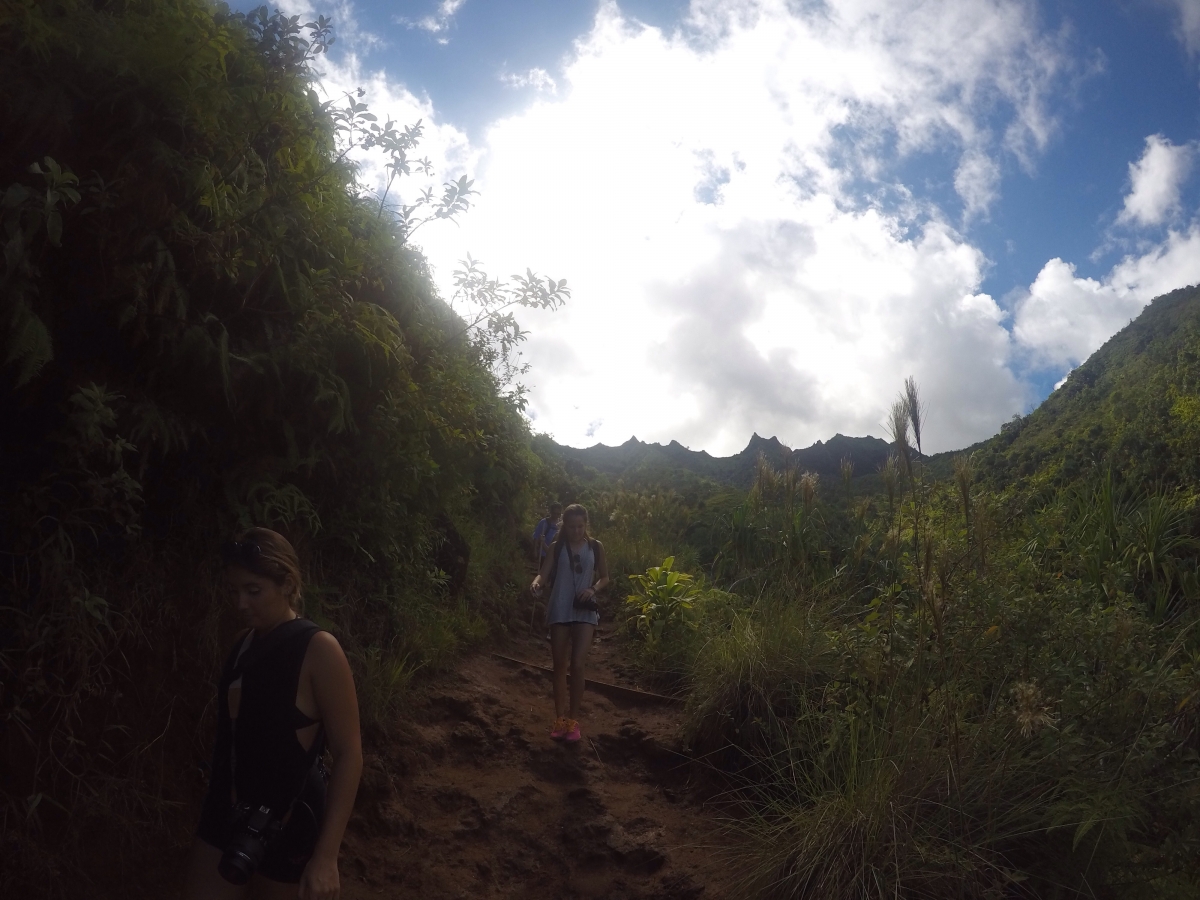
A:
[(545, 531)]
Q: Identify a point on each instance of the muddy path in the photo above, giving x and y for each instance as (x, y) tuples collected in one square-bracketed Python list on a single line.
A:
[(473, 799)]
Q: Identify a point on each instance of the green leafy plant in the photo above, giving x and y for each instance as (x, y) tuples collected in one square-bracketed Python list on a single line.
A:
[(663, 600)]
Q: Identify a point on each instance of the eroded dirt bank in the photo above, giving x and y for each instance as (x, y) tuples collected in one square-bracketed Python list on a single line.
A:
[(475, 800)]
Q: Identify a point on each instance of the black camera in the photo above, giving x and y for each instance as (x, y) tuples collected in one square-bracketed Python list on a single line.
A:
[(254, 828), (588, 603)]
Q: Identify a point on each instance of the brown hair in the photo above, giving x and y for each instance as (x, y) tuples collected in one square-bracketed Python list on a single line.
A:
[(575, 509), (275, 558)]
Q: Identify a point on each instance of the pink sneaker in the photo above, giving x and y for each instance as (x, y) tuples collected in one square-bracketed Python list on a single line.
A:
[(560, 729), (572, 734)]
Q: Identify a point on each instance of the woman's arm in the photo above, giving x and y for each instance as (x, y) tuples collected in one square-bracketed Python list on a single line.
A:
[(543, 573), (337, 709)]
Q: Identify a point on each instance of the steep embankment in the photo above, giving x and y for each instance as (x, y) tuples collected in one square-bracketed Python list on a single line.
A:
[(207, 323), (473, 799), (1133, 405)]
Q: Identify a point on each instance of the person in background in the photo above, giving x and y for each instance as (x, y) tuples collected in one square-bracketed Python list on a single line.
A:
[(543, 534), (570, 575)]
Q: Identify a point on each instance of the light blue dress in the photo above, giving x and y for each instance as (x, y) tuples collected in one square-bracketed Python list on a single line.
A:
[(560, 608)]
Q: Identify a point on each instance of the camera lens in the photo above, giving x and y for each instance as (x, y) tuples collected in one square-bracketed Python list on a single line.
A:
[(241, 858)]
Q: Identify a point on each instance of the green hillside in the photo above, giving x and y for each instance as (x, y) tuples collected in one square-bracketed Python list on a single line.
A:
[(1133, 406), (972, 675)]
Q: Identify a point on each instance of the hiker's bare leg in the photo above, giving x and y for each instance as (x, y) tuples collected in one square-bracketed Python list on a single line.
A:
[(581, 642), (560, 650)]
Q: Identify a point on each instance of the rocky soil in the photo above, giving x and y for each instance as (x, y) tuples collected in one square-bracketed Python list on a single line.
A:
[(475, 801)]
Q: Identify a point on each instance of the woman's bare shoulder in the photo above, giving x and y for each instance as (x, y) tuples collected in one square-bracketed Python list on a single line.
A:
[(324, 642)]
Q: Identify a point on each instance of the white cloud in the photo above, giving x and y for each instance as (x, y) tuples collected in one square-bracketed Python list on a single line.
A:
[(723, 200), (696, 189), (436, 23), (348, 30), (1063, 318), (977, 181), (1188, 24), (537, 78), (811, 322), (1155, 182)]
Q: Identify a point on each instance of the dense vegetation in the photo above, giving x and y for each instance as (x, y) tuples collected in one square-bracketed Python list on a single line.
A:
[(981, 680), (1133, 405), (205, 322)]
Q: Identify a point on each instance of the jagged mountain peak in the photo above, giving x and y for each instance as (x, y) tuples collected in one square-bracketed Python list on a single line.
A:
[(635, 457)]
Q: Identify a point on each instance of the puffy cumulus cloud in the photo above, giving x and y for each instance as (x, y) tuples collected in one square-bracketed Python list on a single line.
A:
[(712, 195), (1063, 318), (809, 322), (742, 256), (1155, 182)]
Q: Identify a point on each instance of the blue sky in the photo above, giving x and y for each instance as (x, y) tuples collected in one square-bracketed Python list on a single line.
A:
[(771, 214)]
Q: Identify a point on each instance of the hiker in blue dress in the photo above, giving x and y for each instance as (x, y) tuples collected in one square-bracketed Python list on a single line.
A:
[(543, 534), (570, 575)]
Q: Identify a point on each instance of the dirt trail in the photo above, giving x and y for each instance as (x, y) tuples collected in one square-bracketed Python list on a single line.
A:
[(477, 802)]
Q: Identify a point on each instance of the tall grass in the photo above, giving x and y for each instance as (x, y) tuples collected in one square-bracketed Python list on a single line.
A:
[(938, 697)]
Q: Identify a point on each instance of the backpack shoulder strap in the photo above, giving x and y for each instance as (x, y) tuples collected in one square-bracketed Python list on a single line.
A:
[(595, 545)]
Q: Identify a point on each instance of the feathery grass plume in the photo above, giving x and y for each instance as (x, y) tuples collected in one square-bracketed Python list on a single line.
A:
[(846, 467), (808, 489), (862, 509), (897, 427), (766, 487), (790, 488), (890, 473), (1030, 710), (916, 409)]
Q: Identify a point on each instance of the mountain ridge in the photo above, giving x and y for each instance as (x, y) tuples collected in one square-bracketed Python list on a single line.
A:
[(637, 457)]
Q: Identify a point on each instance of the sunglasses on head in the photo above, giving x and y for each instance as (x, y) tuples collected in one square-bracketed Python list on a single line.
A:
[(242, 553)]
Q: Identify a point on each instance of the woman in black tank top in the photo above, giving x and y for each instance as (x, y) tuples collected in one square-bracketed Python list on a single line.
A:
[(285, 695)]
